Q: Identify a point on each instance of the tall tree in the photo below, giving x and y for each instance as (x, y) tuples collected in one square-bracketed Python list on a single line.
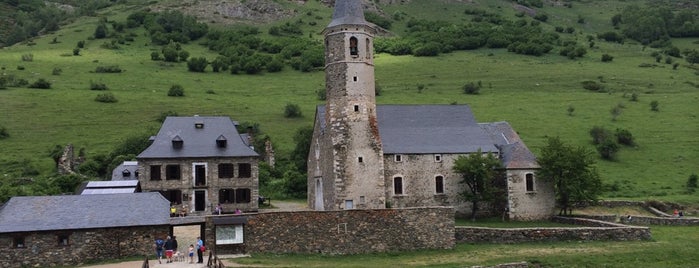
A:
[(479, 172), (572, 171)]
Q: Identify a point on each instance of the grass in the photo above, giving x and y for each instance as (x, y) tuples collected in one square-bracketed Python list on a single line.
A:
[(671, 247), (531, 93)]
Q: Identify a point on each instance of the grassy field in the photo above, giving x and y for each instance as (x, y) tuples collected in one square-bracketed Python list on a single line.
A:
[(670, 247), (531, 93)]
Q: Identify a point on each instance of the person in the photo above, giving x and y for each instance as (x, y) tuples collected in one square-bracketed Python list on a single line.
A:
[(219, 209), (681, 214), (675, 213), (168, 249), (238, 212), (200, 255), (183, 210), (191, 253), (174, 244), (173, 210), (159, 247)]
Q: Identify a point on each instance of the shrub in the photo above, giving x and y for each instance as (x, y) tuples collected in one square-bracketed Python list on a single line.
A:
[(41, 83), (163, 115), (98, 86), (183, 54), (320, 94), (292, 110), (611, 37), (427, 50), (541, 17), (608, 149), (654, 106), (108, 69), (76, 52), (155, 56), (599, 134), (616, 111), (56, 71), (472, 88), (176, 91), (691, 181), (607, 58), (27, 57), (3, 133), (170, 54), (106, 98), (20, 67), (570, 110), (592, 85), (624, 137), (634, 97), (81, 44), (197, 64), (100, 31), (274, 66)]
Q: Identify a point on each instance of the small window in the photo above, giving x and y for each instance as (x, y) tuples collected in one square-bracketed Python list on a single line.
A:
[(398, 158), (368, 48), (18, 242), (177, 142), (398, 185), (361, 199), (530, 182), (155, 173), (226, 196), (221, 142), (244, 170), (226, 170), (439, 184), (438, 158), (356, 108), (354, 51), (172, 172), (199, 125), (242, 195), (63, 240), (126, 173), (360, 159), (349, 204), (354, 78)]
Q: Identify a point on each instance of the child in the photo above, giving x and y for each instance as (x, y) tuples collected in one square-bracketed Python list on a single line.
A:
[(191, 253)]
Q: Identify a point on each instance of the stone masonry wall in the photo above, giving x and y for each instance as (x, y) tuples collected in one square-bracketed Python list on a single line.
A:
[(42, 249), (610, 231), (344, 232)]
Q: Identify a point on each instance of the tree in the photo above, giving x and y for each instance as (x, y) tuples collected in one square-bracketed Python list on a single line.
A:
[(479, 172), (197, 64), (572, 172), (100, 31)]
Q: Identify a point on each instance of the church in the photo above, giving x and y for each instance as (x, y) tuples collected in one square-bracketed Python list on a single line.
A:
[(368, 156)]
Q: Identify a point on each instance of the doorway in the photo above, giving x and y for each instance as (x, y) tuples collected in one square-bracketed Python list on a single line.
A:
[(199, 200)]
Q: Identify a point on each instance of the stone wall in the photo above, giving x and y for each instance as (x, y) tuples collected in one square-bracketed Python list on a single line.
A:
[(645, 220), (609, 231), (343, 232), (42, 249)]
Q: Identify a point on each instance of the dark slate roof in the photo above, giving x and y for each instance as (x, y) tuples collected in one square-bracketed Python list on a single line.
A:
[(70, 212), (513, 151), (423, 129), (197, 142), (348, 12), (130, 166)]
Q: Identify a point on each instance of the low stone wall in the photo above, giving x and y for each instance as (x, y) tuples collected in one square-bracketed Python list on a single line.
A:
[(43, 250), (606, 232), (645, 221), (343, 232)]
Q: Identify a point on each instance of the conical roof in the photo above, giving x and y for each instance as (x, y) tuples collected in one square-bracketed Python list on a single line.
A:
[(348, 12)]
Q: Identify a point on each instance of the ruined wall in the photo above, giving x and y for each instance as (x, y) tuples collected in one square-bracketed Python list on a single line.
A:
[(42, 249), (344, 232), (213, 182), (529, 205)]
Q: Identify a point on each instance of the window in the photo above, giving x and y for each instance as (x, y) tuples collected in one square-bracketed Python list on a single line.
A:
[(229, 234), (177, 142), (126, 173), (63, 240), (356, 108), (242, 195), (530, 182), (354, 51), (360, 159), (221, 142), (439, 184), (244, 170), (172, 172), (226, 196), (18, 242), (398, 185), (354, 78), (349, 204), (155, 173), (398, 158), (225, 170), (438, 158), (368, 48)]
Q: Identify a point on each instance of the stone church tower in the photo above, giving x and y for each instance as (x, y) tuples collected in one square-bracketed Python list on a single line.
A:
[(348, 164)]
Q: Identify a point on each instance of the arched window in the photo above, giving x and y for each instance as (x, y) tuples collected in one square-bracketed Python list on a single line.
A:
[(530, 182), (354, 51), (398, 185)]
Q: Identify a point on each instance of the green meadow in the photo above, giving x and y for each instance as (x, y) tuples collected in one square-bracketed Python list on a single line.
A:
[(533, 94)]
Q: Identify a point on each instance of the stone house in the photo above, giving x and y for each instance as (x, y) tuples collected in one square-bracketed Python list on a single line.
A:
[(368, 156), (43, 231), (200, 161)]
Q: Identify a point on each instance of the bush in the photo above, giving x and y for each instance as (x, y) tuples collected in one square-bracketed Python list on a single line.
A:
[(292, 110), (607, 58), (592, 85), (98, 86), (108, 69), (608, 149), (155, 56), (176, 91), (3, 133), (691, 182), (81, 44), (472, 88), (274, 66), (541, 17), (624, 137), (41, 83), (654, 106), (320, 94), (599, 135), (197, 64), (27, 57), (56, 71), (427, 50), (76, 51), (106, 98), (184, 55), (163, 115)]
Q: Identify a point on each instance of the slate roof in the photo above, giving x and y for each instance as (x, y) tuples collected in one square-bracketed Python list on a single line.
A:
[(348, 12), (111, 187), (130, 166), (70, 212), (197, 142), (513, 151), (423, 129)]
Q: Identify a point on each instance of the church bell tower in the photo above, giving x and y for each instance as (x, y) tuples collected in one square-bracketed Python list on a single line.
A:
[(351, 109)]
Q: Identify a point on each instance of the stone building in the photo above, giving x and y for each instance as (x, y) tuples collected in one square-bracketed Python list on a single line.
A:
[(67, 230), (365, 156), (198, 162)]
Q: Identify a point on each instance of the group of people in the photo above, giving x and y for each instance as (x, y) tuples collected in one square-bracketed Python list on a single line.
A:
[(169, 248), (677, 214), (175, 213), (218, 210)]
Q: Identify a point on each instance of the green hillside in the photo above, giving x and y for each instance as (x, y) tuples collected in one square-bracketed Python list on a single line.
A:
[(533, 93)]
